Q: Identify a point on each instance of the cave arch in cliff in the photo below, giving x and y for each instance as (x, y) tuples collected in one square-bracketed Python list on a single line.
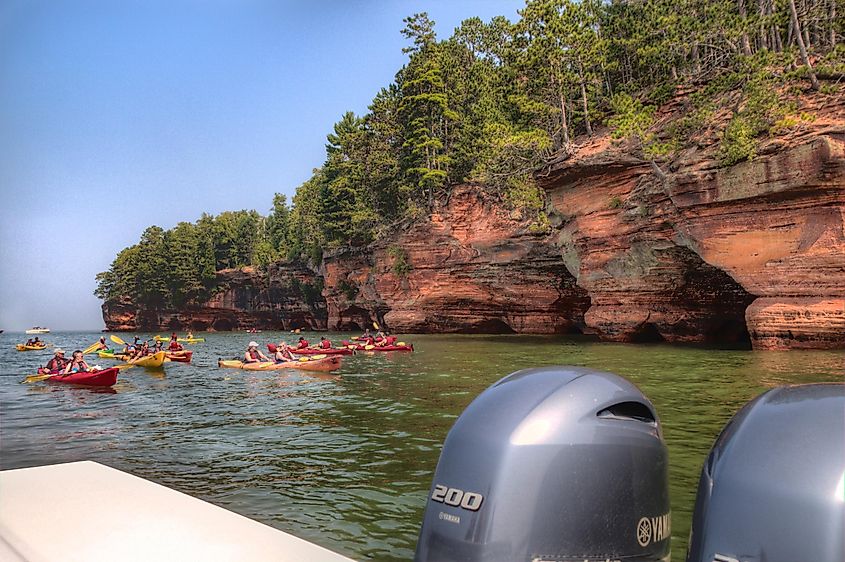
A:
[(492, 326), (199, 325), (223, 325), (729, 332), (647, 333)]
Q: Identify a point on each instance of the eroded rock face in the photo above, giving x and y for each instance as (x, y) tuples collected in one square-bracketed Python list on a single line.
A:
[(282, 298), (681, 258), (472, 267)]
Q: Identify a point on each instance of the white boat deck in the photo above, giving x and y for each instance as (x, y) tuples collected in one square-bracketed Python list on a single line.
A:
[(91, 512)]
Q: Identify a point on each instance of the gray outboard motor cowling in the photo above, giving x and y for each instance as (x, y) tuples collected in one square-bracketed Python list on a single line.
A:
[(773, 487), (557, 463)]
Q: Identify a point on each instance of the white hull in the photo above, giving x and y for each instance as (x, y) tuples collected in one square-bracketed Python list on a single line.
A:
[(38, 331), (88, 511)]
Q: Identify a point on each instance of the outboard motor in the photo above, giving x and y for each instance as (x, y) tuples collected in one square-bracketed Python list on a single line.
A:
[(772, 487), (558, 463)]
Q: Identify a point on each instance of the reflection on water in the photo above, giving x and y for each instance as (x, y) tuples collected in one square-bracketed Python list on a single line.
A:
[(346, 461)]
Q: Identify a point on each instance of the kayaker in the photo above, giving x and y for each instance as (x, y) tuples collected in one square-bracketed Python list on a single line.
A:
[(380, 336), (29, 342), (174, 343), (101, 344), (303, 343), (77, 363), (142, 351), (190, 336), (157, 346), (283, 353), (57, 363), (391, 340), (325, 343), (366, 335), (253, 355)]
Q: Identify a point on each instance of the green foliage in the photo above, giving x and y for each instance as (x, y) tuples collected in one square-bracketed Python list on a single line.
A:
[(615, 203), (348, 289), (178, 267), (400, 266)]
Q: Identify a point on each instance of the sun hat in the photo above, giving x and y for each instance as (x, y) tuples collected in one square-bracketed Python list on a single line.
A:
[(253, 344), (58, 350)]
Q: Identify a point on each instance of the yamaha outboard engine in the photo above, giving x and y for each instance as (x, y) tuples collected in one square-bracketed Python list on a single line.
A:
[(557, 463), (772, 487)]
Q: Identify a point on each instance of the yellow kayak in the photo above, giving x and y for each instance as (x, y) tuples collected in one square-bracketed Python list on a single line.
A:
[(24, 347), (154, 360), (330, 363), (183, 340)]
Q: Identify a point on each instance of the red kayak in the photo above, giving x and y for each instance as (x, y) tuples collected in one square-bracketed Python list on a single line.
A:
[(329, 351), (106, 377), (360, 347), (311, 351), (183, 356)]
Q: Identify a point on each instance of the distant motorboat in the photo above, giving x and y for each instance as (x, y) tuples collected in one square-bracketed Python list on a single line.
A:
[(38, 330)]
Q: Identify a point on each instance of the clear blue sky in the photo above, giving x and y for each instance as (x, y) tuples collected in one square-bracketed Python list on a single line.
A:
[(118, 115)]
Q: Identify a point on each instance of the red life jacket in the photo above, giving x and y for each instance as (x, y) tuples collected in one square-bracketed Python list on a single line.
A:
[(391, 340), (254, 355), (56, 364), (302, 344), (326, 344)]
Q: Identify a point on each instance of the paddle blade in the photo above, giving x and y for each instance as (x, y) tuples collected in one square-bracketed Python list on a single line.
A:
[(36, 378), (117, 340), (375, 325), (90, 348)]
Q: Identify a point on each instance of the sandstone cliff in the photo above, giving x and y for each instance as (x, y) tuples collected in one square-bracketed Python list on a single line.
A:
[(283, 297), (751, 254)]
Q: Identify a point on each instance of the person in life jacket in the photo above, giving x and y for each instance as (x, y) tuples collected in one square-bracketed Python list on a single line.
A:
[(283, 353), (56, 364), (77, 364), (303, 343), (366, 334), (101, 344), (389, 340), (174, 343), (325, 343), (253, 355), (157, 346)]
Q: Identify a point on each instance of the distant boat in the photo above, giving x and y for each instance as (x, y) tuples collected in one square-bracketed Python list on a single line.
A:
[(38, 330)]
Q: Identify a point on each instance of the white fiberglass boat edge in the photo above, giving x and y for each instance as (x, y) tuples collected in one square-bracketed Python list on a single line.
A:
[(89, 511)]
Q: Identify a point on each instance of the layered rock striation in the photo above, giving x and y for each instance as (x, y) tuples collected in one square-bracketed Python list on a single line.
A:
[(472, 266)]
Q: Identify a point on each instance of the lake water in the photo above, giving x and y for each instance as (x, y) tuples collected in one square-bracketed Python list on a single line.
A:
[(346, 461)]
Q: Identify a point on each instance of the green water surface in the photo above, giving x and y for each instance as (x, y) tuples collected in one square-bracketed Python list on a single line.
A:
[(346, 461)]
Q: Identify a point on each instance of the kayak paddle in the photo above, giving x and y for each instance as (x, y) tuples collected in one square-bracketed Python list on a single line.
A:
[(90, 348), (37, 378), (117, 340)]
